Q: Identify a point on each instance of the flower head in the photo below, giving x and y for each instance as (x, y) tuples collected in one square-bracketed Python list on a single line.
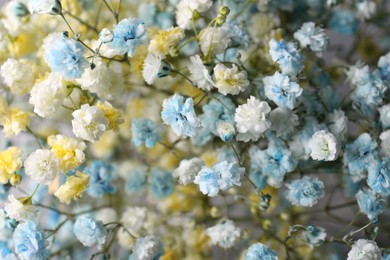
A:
[(145, 131), (364, 249), (10, 162), (187, 170), (379, 177), (52, 7), (155, 67), (200, 74), (287, 56), (311, 35), (42, 166), (17, 210), (73, 188), (323, 146), (369, 204), (225, 234), (305, 192), (230, 80), (161, 183), (260, 251), (149, 247), (100, 175), (89, 231)]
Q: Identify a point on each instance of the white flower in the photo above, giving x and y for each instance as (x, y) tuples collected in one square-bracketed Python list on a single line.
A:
[(323, 146), (365, 9), (106, 215), (187, 170), (310, 35), (106, 35), (364, 249), (200, 74), (214, 40), (283, 121), (17, 75), (89, 123), (138, 220), (184, 11), (199, 5), (230, 80), (225, 234), (155, 67), (226, 131), (52, 7), (47, 96), (42, 166), (385, 143), (251, 119), (384, 112), (16, 210), (357, 74), (338, 124)]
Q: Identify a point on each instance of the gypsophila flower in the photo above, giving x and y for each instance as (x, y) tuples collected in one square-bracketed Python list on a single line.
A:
[(343, 21), (187, 170), (100, 177), (369, 204), (89, 231), (7, 254), (10, 162), (260, 251), (180, 115), (207, 179), (214, 40), (314, 235), (311, 35), (364, 249), (165, 41), (14, 121), (145, 131), (305, 192), (136, 180), (224, 234), (287, 56), (384, 112), (226, 131), (17, 75), (161, 183), (379, 177), (135, 219), (17, 210), (106, 35), (149, 247), (384, 66), (155, 67), (385, 143), (200, 75), (52, 7), (251, 119), (338, 124), (42, 166), (230, 80), (281, 90), (323, 146), (73, 188)]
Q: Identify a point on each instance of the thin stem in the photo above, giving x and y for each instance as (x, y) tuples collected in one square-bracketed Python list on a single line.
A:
[(67, 23), (184, 76), (35, 137)]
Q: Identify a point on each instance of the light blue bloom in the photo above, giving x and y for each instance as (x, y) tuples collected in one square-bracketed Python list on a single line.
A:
[(145, 131), (65, 55), (154, 17), (281, 90), (359, 155), (128, 35), (384, 66), (89, 231), (369, 204), (259, 251), (136, 180), (7, 254), (149, 247), (30, 242), (379, 177), (180, 115), (255, 173), (207, 179), (287, 56), (100, 174), (4, 191), (305, 192), (314, 236), (239, 35), (7, 225), (162, 183), (343, 22)]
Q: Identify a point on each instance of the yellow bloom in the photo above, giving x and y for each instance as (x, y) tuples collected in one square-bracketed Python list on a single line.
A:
[(104, 147), (14, 121), (163, 42), (137, 62), (69, 151), (113, 115), (10, 162), (73, 188)]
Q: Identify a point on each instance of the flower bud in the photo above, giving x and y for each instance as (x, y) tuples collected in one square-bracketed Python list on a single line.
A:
[(225, 131), (215, 212), (106, 35), (15, 179), (224, 10), (164, 70), (18, 9), (195, 15), (221, 19), (264, 202)]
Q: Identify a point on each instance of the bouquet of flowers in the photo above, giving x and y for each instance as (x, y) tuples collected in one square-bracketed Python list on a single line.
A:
[(195, 129)]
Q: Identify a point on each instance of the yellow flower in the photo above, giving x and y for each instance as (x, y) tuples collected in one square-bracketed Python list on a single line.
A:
[(113, 115), (14, 121), (73, 188), (137, 62), (163, 42), (104, 147), (10, 162), (69, 151)]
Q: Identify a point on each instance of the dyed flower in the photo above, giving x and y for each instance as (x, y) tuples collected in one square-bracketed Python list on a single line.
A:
[(52, 7), (214, 40), (155, 67), (384, 116), (338, 124), (323, 146), (106, 35), (230, 80), (14, 121), (164, 42), (225, 234), (128, 35), (343, 22), (369, 204), (226, 131), (312, 36), (17, 75), (379, 177), (260, 251), (138, 220), (145, 131), (287, 56), (7, 254), (89, 231), (161, 182), (113, 115), (100, 176), (149, 247), (251, 119), (30, 242), (364, 249), (187, 170), (305, 192), (200, 75), (42, 166), (180, 115), (73, 188), (314, 236), (65, 55), (10, 162), (207, 179), (384, 66), (17, 210), (385, 143), (281, 90), (136, 180)]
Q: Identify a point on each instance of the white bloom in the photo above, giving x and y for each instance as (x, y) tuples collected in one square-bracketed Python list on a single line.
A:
[(365, 9), (323, 146), (251, 119), (187, 170), (357, 74), (135, 220), (226, 131), (17, 75), (200, 74), (106, 35), (225, 234), (47, 96), (52, 7), (16, 210), (230, 80), (364, 249), (106, 215), (42, 166), (155, 67), (89, 123), (199, 5), (283, 121), (310, 35), (385, 115), (149, 247), (214, 40), (385, 143), (338, 124), (184, 11)]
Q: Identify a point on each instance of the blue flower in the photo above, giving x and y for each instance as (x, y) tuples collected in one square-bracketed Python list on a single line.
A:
[(370, 204), (100, 174), (149, 247), (305, 192), (359, 155), (379, 177), (7, 254), (259, 251), (145, 131), (128, 34), (89, 232), (287, 56), (136, 180), (314, 236), (384, 66), (162, 183), (180, 115), (4, 191), (343, 22), (30, 242), (65, 55), (207, 179), (281, 90)]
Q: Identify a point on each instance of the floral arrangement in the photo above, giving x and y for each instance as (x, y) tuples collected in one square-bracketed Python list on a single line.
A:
[(195, 129)]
